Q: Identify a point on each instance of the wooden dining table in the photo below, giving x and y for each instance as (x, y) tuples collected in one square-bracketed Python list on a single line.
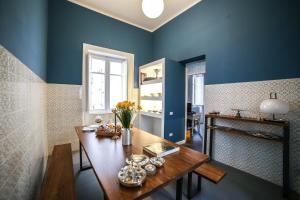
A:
[(107, 157)]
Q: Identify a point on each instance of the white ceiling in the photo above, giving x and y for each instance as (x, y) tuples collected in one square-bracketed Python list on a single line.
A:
[(130, 11)]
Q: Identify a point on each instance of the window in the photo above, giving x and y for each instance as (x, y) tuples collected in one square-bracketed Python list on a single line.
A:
[(198, 86), (107, 82)]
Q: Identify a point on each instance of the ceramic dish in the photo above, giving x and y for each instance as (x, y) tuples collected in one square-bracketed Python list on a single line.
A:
[(150, 169), (88, 129), (138, 159), (157, 161), (94, 126)]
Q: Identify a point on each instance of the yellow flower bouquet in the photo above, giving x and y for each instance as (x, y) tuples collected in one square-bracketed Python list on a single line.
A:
[(125, 111)]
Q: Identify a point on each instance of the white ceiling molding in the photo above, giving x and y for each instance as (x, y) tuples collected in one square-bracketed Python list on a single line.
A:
[(130, 11)]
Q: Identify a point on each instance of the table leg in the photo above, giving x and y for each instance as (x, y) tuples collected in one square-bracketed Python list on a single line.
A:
[(189, 185), (199, 183), (105, 196), (211, 132), (82, 168), (205, 136), (179, 189), (193, 124), (80, 155)]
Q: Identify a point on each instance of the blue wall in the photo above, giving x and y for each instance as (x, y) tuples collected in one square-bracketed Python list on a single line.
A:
[(242, 40), (71, 25), (175, 100), (23, 31)]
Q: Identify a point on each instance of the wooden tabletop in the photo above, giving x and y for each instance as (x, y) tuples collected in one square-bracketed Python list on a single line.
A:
[(108, 156)]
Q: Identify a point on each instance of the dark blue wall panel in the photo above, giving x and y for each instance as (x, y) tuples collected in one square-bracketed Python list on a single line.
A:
[(242, 40), (23, 31), (174, 100), (71, 25)]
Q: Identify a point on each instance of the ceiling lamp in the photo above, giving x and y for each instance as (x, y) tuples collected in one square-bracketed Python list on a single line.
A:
[(153, 8)]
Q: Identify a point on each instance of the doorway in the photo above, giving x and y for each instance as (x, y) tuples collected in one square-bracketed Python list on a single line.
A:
[(195, 73)]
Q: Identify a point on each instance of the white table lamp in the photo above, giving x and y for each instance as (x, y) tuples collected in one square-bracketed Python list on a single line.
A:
[(274, 106)]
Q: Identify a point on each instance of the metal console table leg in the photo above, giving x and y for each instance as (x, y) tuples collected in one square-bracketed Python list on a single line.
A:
[(286, 160), (82, 168)]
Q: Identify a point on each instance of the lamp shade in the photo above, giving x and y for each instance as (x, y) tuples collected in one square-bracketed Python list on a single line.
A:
[(274, 106), (153, 8)]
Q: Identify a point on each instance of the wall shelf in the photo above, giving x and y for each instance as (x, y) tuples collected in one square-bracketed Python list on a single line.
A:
[(151, 98), (152, 82), (151, 114), (248, 119), (256, 134)]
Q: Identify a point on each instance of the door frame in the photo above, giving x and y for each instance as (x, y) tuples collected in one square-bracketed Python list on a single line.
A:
[(186, 94)]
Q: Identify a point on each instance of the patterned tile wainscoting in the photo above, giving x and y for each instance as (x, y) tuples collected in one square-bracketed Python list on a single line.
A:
[(258, 157), (22, 129), (64, 111)]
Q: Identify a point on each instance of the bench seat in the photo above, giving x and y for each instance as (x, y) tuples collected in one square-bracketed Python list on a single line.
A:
[(210, 172), (207, 171), (59, 182)]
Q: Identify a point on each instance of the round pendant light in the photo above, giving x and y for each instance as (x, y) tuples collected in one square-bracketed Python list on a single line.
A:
[(153, 8)]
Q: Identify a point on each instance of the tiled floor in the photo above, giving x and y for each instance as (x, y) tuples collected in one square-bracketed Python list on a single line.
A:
[(236, 185)]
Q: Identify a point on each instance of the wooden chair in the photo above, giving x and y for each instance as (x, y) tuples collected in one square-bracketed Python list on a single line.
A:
[(59, 181)]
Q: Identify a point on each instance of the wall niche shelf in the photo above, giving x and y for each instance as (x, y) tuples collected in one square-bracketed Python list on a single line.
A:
[(161, 92), (152, 97)]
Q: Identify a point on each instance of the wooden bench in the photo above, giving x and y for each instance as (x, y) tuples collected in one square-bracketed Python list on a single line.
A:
[(210, 172), (207, 171), (59, 182)]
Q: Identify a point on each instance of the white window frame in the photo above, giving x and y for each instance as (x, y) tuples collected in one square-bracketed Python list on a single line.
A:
[(107, 74)]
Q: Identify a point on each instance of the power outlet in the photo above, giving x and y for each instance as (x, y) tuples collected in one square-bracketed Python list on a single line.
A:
[(171, 113), (171, 134)]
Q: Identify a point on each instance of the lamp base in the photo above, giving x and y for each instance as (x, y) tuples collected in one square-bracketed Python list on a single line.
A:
[(274, 120)]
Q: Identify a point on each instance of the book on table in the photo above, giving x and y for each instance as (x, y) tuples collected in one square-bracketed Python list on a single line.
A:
[(160, 149)]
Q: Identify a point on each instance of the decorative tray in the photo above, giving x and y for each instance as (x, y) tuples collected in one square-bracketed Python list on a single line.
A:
[(102, 133), (137, 159), (108, 131), (132, 176)]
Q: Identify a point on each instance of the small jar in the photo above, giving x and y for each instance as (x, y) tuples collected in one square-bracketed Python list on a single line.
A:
[(150, 169)]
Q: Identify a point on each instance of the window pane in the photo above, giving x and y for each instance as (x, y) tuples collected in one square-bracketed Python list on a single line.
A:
[(97, 91), (115, 90), (97, 65), (116, 68), (198, 90)]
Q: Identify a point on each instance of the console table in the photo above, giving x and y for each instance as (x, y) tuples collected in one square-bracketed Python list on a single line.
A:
[(210, 126)]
